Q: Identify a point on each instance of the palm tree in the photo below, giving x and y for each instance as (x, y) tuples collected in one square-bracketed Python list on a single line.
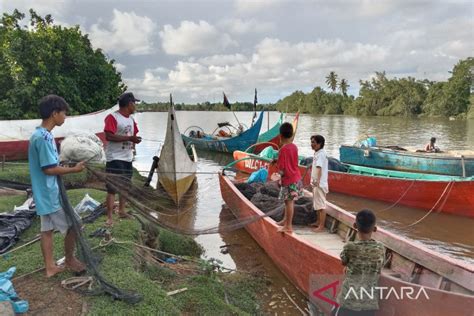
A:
[(343, 86), (331, 81)]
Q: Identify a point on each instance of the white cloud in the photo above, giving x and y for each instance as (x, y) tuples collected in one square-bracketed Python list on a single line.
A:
[(120, 67), (223, 60), (42, 7), (254, 6), (194, 38), (240, 27), (127, 33)]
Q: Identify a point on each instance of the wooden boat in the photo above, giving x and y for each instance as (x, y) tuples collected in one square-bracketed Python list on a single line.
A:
[(15, 134), (311, 262), (176, 169), (386, 158), (431, 192), (225, 144)]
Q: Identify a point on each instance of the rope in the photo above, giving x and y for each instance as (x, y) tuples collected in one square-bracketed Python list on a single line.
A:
[(450, 185), (396, 202)]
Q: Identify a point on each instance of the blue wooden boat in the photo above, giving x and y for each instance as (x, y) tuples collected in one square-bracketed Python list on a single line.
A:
[(227, 144), (386, 158)]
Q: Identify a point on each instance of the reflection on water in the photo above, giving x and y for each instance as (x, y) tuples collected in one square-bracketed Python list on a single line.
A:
[(448, 234)]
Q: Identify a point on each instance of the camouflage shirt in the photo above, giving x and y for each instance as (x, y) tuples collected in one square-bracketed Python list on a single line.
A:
[(363, 260)]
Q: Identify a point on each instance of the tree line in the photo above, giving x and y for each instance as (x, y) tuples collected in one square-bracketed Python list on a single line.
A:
[(391, 97), (205, 106)]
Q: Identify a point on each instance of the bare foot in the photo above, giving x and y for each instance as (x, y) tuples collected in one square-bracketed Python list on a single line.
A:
[(109, 223), (280, 223), (285, 229), (124, 215), (75, 265), (53, 271), (314, 225), (318, 229)]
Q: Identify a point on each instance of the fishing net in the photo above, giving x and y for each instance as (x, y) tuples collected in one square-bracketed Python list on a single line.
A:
[(157, 207), (91, 259)]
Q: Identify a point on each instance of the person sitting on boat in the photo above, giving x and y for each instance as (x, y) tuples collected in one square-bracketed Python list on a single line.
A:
[(319, 180), (363, 260), (43, 160), (431, 147), (289, 175), (121, 133)]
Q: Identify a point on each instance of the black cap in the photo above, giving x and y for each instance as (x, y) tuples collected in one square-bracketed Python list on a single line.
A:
[(126, 98)]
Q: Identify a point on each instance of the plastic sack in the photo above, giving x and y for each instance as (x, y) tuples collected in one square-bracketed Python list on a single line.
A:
[(269, 152), (83, 147), (87, 204), (260, 175), (7, 292)]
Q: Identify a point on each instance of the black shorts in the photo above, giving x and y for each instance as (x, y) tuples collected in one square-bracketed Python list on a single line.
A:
[(123, 170)]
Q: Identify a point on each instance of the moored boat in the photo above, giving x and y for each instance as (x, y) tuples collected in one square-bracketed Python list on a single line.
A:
[(311, 261), (15, 134), (227, 144), (387, 158), (431, 192), (176, 169)]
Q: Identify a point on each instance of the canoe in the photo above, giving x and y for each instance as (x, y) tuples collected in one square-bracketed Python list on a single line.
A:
[(15, 134), (385, 158), (176, 169), (442, 285), (430, 192), (228, 145)]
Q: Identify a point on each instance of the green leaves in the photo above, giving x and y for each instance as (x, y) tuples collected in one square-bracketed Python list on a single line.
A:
[(47, 58)]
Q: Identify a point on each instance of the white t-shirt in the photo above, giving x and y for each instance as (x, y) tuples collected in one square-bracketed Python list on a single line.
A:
[(320, 159), (120, 125)]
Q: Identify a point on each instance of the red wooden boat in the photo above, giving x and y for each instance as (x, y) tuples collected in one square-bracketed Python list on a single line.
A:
[(15, 134), (448, 194), (311, 262)]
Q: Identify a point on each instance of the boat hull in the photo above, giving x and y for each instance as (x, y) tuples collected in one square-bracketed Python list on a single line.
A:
[(302, 262), (407, 161), (176, 170), (451, 197), (15, 134), (229, 145)]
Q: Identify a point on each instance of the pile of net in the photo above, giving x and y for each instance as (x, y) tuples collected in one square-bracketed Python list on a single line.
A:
[(13, 224), (265, 197), (84, 147)]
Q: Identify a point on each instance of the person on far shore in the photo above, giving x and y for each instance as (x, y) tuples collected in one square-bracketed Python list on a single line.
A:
[(43, 161), (319, 180), (289, 175), (121, 133), (431, 147), (363, 260)]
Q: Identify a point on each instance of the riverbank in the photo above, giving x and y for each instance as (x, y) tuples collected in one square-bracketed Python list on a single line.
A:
[(208, 287)]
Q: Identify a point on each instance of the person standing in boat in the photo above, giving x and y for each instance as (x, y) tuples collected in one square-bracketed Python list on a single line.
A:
[(363, 260), (121, 133), (431, 147), (43, 161), (288, 175), (319, 180)]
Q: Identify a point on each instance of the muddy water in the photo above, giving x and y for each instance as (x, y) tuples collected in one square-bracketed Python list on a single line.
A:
[(450, 235)]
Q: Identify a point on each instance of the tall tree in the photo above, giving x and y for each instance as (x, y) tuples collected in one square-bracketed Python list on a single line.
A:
[(45, 58), (331, 81), (343, 86)]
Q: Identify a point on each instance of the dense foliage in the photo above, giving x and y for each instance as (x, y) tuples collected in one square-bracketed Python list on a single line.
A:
[(205, 106), (390, 97), (44, 58)]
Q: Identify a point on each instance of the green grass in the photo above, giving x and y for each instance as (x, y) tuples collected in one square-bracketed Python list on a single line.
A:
[(207, 294)]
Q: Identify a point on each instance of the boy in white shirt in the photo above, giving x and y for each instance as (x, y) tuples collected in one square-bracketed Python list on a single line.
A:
[(319, 180)]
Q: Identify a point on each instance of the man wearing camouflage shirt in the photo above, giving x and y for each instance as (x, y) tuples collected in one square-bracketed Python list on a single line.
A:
[(363, 261)]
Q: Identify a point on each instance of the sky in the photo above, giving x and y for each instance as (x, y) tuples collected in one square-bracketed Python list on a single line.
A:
[(198, 49)]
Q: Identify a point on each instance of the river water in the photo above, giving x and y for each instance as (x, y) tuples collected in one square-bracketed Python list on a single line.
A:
[(451, 235)]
